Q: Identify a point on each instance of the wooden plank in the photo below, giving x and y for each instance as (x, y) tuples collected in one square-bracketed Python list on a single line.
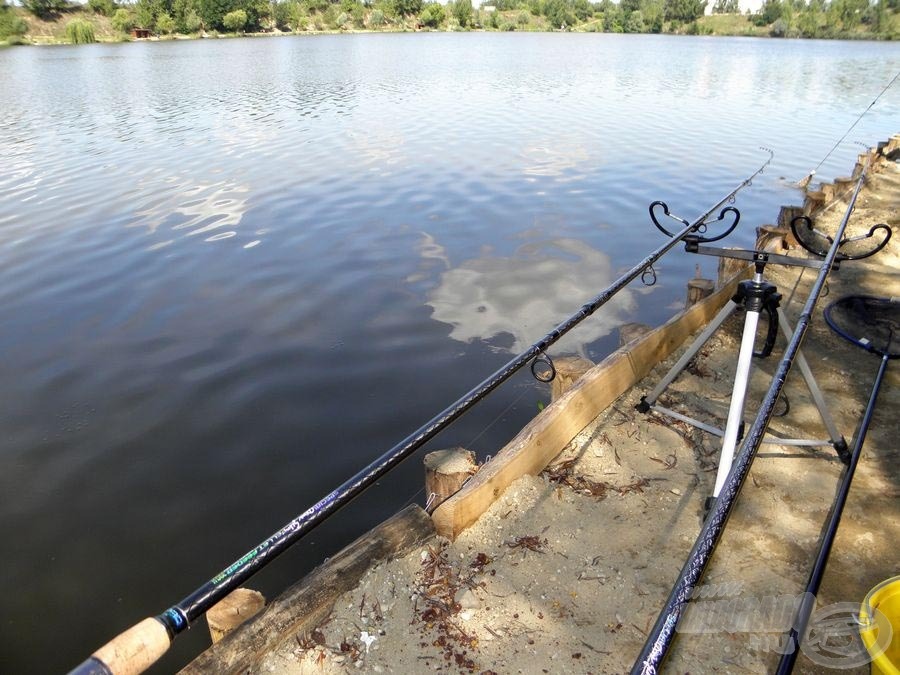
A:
[(546, 435), (657, 345), (232, 611), (569, 369), (539, 442), (307, 603)]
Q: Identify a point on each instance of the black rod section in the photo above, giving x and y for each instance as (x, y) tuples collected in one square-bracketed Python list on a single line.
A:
[(663, 634), (179, 617), (804, 611)]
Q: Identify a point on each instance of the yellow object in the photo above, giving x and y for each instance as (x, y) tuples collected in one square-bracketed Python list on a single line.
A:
[(879, 618)]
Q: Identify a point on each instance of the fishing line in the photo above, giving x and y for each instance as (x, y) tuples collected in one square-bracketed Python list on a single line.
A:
[(481, 433), (805, 181)]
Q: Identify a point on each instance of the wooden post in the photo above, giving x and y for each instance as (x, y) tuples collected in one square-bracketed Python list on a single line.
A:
[(728, 269), (697, 289), (445, 473), (772, 239), (787, 214), (813, 202), (568, 371), (233, 610), (632, 331)]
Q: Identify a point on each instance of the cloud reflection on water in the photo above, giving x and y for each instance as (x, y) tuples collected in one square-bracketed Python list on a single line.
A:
[(526, 294), (199, 209)]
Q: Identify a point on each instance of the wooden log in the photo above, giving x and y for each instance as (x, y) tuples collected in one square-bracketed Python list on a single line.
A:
[(787, 214), (663, 341), (815, 200), (772, 239), (632, 331), (729, 268), (569, 370), (445, 473), (697, 289), (302, 607), (233, 610), (533, 447), (544, 437), (844, 185)]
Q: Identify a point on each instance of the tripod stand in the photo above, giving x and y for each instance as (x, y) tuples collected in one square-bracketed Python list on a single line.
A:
[(755, 296)]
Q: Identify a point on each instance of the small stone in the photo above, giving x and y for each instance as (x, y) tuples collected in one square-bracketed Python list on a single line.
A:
[(675, 491)]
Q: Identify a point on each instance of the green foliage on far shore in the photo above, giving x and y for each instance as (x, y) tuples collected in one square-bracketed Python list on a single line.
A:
[(111, 19), (12, 26), (80, 32), (235, 21)]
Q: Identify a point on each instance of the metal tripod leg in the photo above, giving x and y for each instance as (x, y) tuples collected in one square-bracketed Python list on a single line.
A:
[(648, 400), (837, 440)]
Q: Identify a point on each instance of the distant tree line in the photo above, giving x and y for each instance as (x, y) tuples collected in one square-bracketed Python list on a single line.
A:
[(782, 18), (817, 18)]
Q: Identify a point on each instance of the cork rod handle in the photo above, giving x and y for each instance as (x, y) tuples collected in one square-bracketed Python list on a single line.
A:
[(130, 653)]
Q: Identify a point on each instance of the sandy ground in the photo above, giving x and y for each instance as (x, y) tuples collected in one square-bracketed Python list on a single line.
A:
[(567, 572)]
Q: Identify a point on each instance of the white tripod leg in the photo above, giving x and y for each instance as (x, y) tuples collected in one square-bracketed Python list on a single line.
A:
[(739, 393)]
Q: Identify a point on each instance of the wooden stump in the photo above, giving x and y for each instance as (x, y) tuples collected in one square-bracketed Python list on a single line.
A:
[(773, 239), (814, 201), (233, 610), (697, 289), (632, 331), (728, 269), (569, 370), (445, 473), (787, 214)]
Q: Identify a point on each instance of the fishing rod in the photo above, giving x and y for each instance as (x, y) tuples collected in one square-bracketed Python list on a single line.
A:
[(142, 645), (869, 323), (803, 182), (663, 634)]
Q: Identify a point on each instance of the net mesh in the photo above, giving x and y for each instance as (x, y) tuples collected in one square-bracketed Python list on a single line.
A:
[(868, 322)]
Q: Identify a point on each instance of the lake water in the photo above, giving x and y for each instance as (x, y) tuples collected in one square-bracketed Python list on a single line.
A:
[(233, 272)]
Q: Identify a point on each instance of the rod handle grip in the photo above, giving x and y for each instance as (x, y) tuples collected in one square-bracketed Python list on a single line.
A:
[(129, 653)]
